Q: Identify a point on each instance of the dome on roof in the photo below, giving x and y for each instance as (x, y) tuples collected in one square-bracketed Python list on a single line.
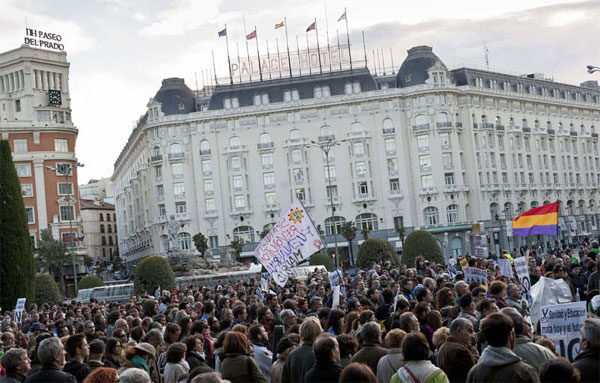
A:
[(175, 97), (413, 70)]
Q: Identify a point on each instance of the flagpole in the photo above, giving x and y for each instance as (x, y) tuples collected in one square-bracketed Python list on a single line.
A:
[(247, 49), (337, 32), (287, 44), (383, 61), (298, 49), (348, 37), (318, 49), (392, 57), (327, 33), (268, 59), (278, 59), (228, 58), (364, 51), (258, 53), (237, 48), (214, 68), (308, 55)]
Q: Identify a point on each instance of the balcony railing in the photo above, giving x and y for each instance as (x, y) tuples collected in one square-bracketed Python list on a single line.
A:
[(526, 129), (421, 127), (336, 200), (265, 145), (205, 152), (551, 131), (329, 137), (271, 207), (442, 125), (389, 131), (429, 190), (176, 156), (156, 158), (392, 194), (210, 214), (500, 127), (363, 198)]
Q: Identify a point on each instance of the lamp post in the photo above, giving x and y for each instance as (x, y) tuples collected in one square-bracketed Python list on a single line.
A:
[(326, 146), (66, 172), (591, 69)]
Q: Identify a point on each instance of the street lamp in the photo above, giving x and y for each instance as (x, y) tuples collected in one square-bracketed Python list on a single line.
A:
[(66, 173), (326, 147), (591, 69)]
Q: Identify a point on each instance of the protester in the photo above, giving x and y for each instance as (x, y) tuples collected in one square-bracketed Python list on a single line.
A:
[(237, 366), (587, 362), (327, 354), (371, 351), (301, 360), (96, 354), (112, 354), (51, 354), (417, 366), (176, 366), (357, 373), (17, 364), (457, 355), (390, 363), (102, 375), (558, 370)]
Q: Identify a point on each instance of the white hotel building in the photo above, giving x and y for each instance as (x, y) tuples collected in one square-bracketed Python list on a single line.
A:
[(427, 148)]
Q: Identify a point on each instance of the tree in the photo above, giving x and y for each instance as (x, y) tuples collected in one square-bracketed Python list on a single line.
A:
[(201, 242), (90, 282), (421, 242), (46, 290), (152, 272), (376, 250), (17, 272), (349, 232), (52, 256), (322, 259)]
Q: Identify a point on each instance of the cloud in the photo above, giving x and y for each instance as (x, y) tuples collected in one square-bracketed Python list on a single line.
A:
[(181, 16), (139, 16)]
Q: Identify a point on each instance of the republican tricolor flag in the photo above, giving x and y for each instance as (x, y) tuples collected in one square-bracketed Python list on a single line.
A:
[(311, 27), (251, 35), (541, 220)]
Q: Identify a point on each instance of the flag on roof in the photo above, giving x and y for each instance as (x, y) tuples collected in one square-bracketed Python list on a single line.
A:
[(311, 27), (251, 35), (342, 17), (281, 24), (540, 220), (223, 32)]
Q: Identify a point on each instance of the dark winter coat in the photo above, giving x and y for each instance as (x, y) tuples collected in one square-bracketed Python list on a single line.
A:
[(370, 355), (455, 359), (240, 368), (324, 372), (79, 370), (588, 363), (300, 361), (50, 373)]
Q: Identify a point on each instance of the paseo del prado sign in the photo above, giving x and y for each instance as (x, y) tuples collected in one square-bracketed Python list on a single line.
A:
[(43, 39)]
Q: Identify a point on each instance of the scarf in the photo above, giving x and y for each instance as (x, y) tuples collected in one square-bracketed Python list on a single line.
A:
[(138, 362)]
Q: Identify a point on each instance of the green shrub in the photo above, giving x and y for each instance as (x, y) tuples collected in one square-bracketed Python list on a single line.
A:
[(376, 250), (152, 272), (46, 290), (322, 259), (89, 282), (421, 242)]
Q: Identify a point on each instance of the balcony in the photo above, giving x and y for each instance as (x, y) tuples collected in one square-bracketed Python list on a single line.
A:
[(241, 210), (500, 127), (451, 188), (475, 126), (205, 152), (425, 169), (447, 125), (156, 158), (179, 196), (458, 125), (395, 194), (161, 219), (427, 191), (176, 156), (487, 125), (526, 129), (265, 145), (210, 214), (329, 137), (420, 128), (574, 134), (363, 198), (236, 149), (594, 135), (295, 142), (389, 131), (360, 134), (271, 207), (335, 200), (182, 217), (451, 166), (160, 198), (551, 131)]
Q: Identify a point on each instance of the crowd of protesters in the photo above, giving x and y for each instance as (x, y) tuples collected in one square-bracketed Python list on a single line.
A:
[(409, 324)]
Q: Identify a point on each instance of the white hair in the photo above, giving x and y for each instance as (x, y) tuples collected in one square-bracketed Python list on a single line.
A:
[(134, 375)]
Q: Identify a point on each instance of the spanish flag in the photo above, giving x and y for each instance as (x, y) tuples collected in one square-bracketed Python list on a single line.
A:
[(541, 220)]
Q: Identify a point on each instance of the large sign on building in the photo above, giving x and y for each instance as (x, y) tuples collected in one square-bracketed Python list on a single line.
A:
[(42, 39)]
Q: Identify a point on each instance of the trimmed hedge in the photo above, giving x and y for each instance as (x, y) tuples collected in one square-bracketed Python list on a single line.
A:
[(376, 250), (322, 259), (421, 242), (89, 282), (46, 290), (152, 272)]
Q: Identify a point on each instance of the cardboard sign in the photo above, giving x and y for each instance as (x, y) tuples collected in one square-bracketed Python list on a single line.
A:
[(472, 274), (464, 263), (505, 267), (479, 240), (481, 252), (19, 310), (523, 275), (562, 323)]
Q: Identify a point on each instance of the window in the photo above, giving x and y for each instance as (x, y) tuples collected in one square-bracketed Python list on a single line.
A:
[(427, 181), (332, 192), (360, 168), (330, 173), (394, 184), (177, 169), (43, 115), (176, 149), (240, 201), (179, 189), (392, 164), (299, 175), (363, 189), (295, 134), (269, 179), (63, 169), (67, 213), (296, 155), (301, 194), (180, 208), (244, 234), (30, 215), (65, 189), (452, 213), (266, 159), (390, 145), (213, 241), (162, 211), (27, 190), (209, 186), (271, 198), (20, 145), (158, 172), (449, 178), (69, 239), (425, 162), (367, 221), (204, 147), (348, 88), (101, 217), (206, 166), (23, 170), (236, 163), (160, 191), (237, 182), (61, 145), (423, 142), (102, 229), (209, 204), (184, 240), (17, 105), (234, 142), (431, 215), (334, 224), (447, 159)]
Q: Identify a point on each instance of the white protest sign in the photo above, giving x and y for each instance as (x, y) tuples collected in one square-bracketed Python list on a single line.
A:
[(19, 310), (452, 270), (473, 274), (562, 323), (547, 292), (303, 271), (293, 239), (255, 268), (334, 278), (480, 252), (478, 240), (336, 297), (524, 280), (505, 267)]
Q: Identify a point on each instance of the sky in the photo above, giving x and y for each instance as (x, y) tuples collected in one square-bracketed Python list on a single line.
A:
[(120, 50)]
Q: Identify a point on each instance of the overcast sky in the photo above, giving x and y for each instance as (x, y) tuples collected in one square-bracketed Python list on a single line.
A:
[(120, 50)]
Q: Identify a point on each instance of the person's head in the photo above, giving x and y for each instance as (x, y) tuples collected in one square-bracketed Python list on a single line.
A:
[(415, 347), (194, 343), (8, 340), (326, 348), (123, 325), (16, 361), (513, 291), (335, 320), (462, 330), (558, 370), (134, 375), (176, 352), (207, 377), (487, 306), (357, 373), (51, 351), (96, 350), (439, 337), (239, 313), (347, 344), (137, 333), (113, 347), (394, 338), (498, 330), (478, 294), (371, 333), (310, 329), (102, 375), (154, 337), (409, 322), (235, 343), (517, 319), (498, 289), (288, 317), (257, 333), (590, 334), (461, 288), (316, 304), (424, 295), (172, 332), (421, 310), (77, 346)]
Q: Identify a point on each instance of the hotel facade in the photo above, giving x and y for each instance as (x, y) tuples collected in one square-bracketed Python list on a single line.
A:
[(423, 148)]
